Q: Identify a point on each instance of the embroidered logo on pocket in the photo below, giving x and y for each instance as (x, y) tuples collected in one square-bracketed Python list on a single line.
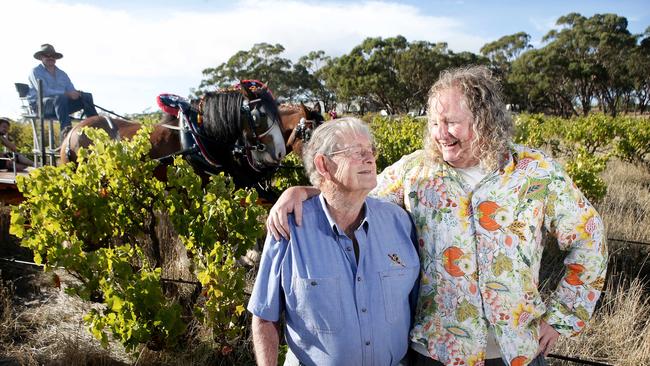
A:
[(395, 259)]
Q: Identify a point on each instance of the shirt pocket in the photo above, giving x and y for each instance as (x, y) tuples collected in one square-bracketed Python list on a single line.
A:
[(318, 303), (396, 285)]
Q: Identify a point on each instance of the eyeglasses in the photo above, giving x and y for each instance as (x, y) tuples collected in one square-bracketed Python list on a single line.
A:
[(356, 152)]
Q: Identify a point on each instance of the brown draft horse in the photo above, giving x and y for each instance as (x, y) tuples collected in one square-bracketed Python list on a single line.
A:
[(235, 131)]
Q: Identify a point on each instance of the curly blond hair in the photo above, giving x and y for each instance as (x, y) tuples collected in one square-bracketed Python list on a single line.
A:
[(493, 126)]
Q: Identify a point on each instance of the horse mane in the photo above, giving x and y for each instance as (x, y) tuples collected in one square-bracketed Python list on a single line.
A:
[(221, 115)]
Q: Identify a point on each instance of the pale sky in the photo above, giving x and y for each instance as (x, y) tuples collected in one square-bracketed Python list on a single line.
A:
[(127, 52)]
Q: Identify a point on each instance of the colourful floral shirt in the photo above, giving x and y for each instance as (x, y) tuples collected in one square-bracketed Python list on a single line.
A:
[(480, 253)]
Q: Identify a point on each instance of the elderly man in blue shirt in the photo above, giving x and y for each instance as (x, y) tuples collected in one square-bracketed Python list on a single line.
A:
[(346, 279), (59, 95)]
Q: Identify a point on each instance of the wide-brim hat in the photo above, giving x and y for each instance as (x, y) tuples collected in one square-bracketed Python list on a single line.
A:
[(47, 49)]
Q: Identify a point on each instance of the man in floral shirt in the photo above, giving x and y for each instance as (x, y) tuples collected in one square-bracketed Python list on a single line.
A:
[(481, 206)]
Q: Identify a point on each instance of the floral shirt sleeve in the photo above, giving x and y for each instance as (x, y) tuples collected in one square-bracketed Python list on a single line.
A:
[(580, 231), (392, 182)]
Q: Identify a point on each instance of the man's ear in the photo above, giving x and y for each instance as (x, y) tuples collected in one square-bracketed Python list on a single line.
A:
[(320, 161)]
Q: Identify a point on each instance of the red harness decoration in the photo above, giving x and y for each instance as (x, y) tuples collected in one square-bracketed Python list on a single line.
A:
[(169, 103)]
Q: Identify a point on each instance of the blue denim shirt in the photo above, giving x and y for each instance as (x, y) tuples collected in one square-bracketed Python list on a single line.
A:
[(52, 85), (338, 313)]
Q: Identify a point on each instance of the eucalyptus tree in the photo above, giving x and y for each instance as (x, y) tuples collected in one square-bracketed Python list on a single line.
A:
[(505, 50), (391, 74), (540, 85), (594, 50), (311, 66), (263, 62), (639, 64), (501, 54)]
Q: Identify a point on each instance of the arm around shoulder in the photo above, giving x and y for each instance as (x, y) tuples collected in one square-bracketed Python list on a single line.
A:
[(290, 201)]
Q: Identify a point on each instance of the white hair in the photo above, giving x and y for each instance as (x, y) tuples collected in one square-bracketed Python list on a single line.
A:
[(327, 138)]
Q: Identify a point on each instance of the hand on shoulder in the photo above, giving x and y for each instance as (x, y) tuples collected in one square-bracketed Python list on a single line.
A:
[(290, 201)]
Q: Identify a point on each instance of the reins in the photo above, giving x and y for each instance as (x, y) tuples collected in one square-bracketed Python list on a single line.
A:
[(111, 112)]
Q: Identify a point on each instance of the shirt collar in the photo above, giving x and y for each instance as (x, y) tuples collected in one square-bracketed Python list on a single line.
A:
[(56, 68), (507, 161), (332, 224)]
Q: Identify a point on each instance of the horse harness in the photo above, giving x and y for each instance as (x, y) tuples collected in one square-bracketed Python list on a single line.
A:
[(303, 130), (194, 141), (115, 132), (306, 127)]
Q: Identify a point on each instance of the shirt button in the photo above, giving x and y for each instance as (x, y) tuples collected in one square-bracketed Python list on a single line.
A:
[(349, 249), (314, 283), (364, 310), (359, 279), (367, 343)]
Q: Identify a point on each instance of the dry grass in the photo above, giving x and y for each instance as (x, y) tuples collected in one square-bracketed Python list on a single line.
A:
[(619, 332), (626, 212), (48, 329), (200, 350), (626, 207)]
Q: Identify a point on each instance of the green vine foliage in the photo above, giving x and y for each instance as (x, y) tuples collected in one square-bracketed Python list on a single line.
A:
[(539, 131), (217, 224), (586, 143), (584, 168), (396, 137), (594, 133), (290, 174), (96, 221), (634, 143)]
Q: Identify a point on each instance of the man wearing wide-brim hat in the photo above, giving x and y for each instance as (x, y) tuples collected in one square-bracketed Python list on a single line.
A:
[(60, 97)]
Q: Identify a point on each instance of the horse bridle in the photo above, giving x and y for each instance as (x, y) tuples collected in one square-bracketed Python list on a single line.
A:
[(253, 118), (303, 130)]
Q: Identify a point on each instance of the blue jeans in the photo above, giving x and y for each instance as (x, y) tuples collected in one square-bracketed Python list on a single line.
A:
[(61, 106)]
